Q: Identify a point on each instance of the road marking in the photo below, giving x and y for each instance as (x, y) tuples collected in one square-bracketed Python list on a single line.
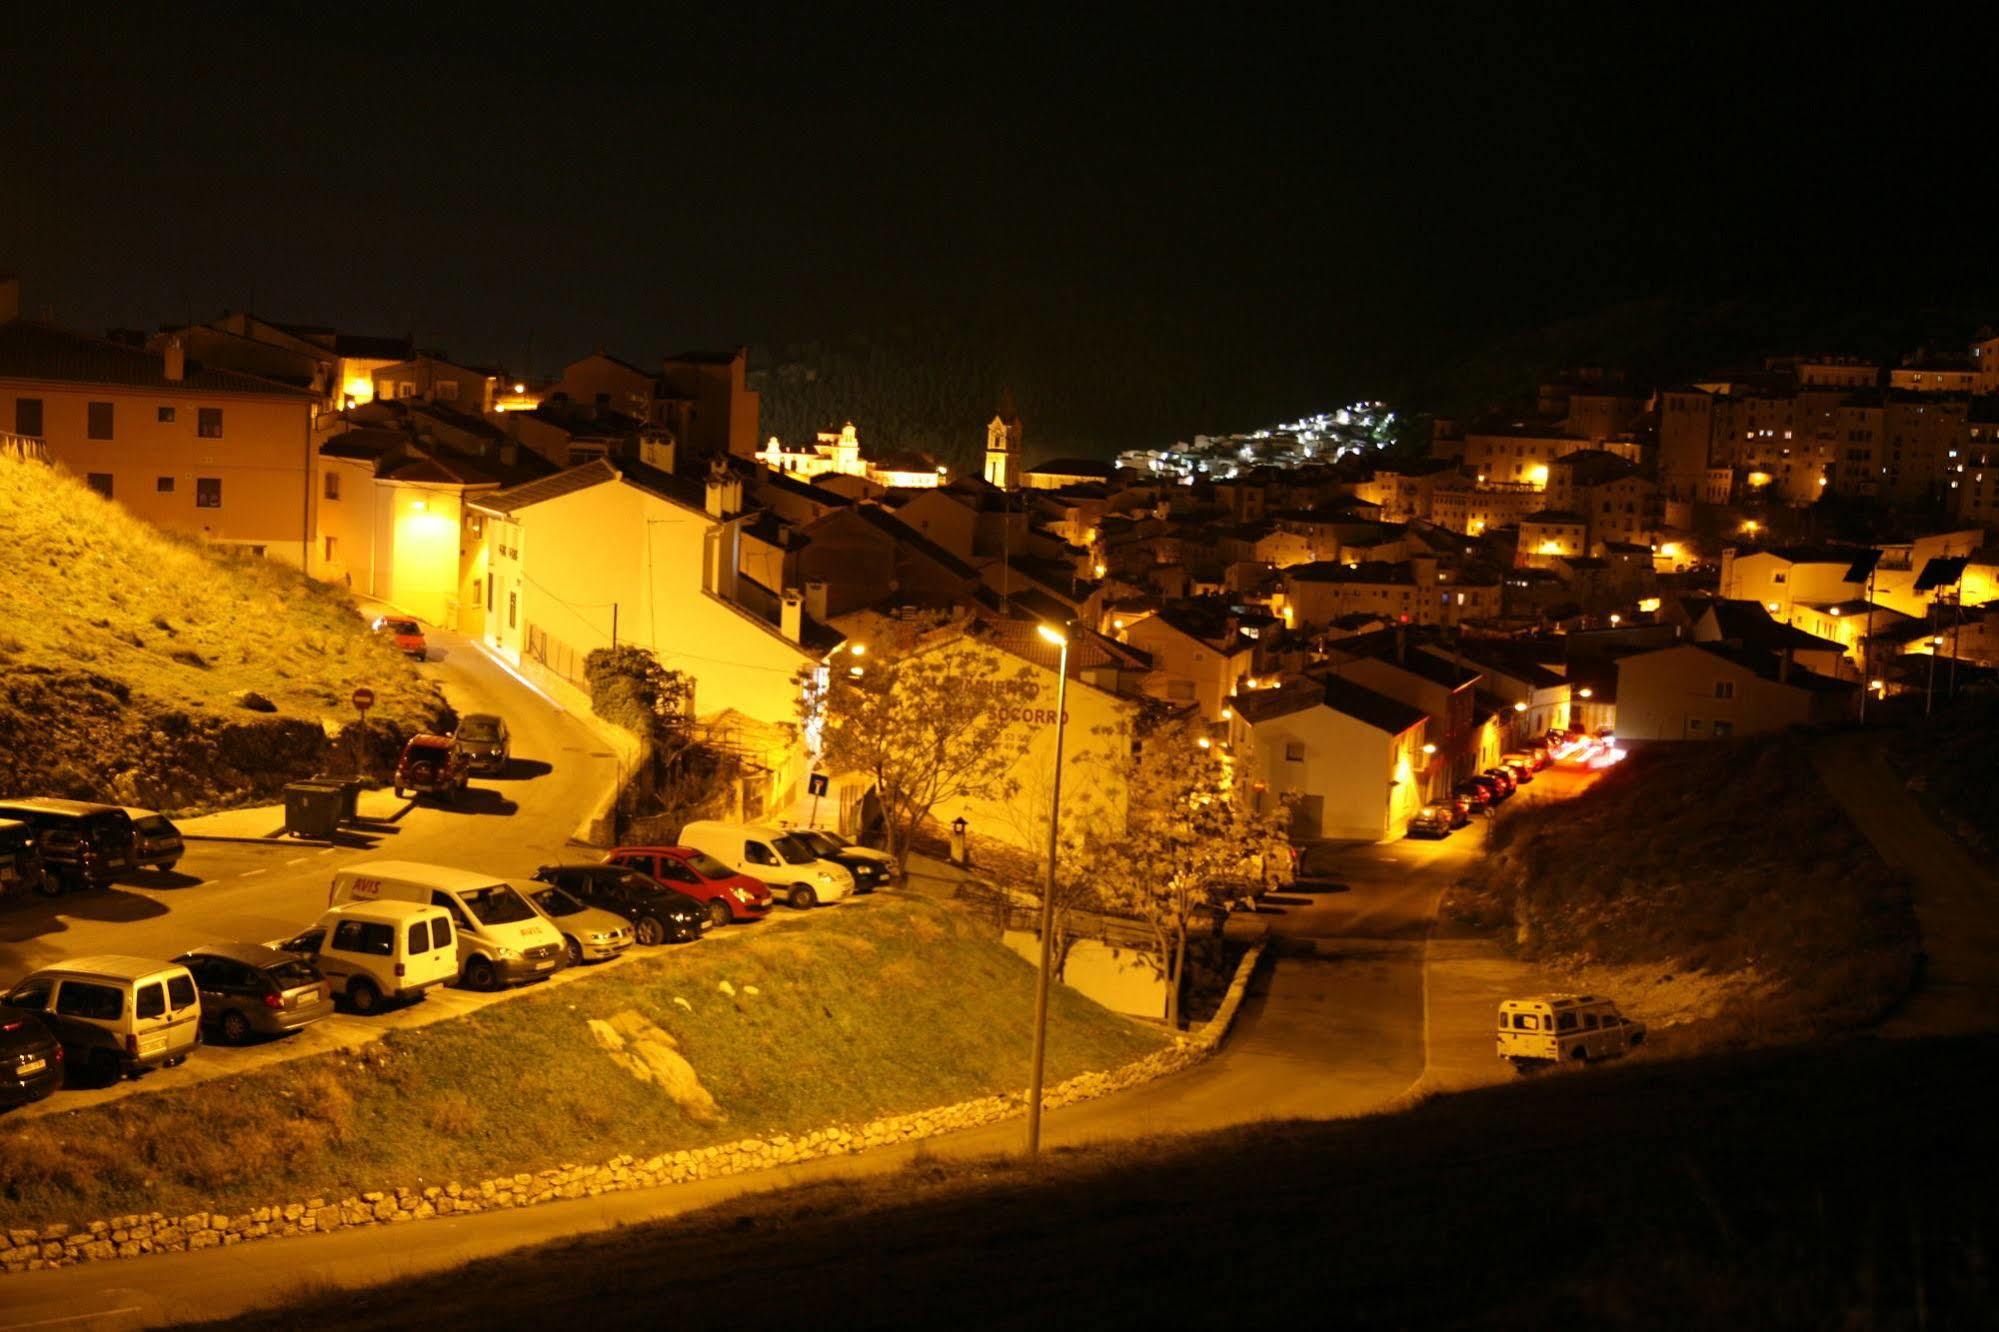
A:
[(72, 1318), (300, 860), (328, 851), (247, 873)]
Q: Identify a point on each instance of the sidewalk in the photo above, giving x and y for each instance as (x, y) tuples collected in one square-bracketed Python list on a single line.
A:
[(1956, 897), (267, 822)]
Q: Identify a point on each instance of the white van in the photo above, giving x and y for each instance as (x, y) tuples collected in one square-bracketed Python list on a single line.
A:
[(502, 939), (1553, 1028), (372, 952), (795, 872), (115, 1015)]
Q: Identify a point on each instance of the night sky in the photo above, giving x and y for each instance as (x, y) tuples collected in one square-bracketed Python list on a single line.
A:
[(1231, 220)]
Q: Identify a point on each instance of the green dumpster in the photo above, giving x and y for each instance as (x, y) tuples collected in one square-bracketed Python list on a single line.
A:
[(312, 810), (350, 793)]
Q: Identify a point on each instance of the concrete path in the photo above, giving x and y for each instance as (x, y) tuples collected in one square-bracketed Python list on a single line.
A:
[(1956, 895)]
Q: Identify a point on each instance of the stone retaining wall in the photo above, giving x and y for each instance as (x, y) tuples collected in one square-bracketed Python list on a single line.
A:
[(132, 1236)]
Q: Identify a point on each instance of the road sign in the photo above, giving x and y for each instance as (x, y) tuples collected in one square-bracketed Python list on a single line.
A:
[(364, 698), (815, 785)]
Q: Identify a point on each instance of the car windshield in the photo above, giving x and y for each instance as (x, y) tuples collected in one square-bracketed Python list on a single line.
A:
[(794, 851), (708, 867), (401, 626), (479, 728), (556, 902), (824, 842), (497, 905)]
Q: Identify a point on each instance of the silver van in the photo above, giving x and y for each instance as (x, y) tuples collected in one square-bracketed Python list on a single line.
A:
[(115, 1015)]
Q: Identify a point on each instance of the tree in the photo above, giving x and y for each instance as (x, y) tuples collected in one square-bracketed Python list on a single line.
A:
[(920, 708), (1191, 837)]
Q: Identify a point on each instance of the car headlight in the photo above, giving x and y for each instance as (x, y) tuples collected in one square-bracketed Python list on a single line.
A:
[(600, 937), (741, 895), (826, 878), (506, 954)]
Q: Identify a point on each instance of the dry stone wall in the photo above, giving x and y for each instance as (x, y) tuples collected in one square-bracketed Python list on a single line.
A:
[(133, 1236)]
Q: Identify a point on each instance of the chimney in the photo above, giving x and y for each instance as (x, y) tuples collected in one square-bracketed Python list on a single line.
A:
[(10, 297), (815, 601), (657, 451), (791, 615), (176, 358), (725, 492)]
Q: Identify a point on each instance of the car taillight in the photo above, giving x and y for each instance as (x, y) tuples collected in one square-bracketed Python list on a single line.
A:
[(56, 1054), (274, 1001)]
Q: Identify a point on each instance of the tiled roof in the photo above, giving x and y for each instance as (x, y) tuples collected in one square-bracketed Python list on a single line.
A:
[(436, 471), (593, 473), (366, 444), (30, 350), (1364, 705)]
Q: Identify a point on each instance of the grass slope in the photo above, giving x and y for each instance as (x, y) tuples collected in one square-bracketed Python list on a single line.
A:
[(896, 1006), (1834, 1186), (124, 651), (1729, 859)]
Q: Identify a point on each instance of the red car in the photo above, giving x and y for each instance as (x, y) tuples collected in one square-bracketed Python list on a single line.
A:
[(431, 765), (408, 635), (726, 895)]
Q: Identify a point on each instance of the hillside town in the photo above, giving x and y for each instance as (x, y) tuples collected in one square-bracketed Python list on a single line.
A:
[(1365, 631)]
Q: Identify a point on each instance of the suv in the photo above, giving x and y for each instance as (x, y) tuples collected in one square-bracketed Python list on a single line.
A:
[(1555, 1028), (376, 951), (726, 895), (431, 765), (658, 914), (482, 741), (20, 860), (248, 990), (155, 840), (407, 633), (82, 845), (115, 1015)]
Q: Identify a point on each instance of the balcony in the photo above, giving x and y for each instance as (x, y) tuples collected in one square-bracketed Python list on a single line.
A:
[(24, 447)]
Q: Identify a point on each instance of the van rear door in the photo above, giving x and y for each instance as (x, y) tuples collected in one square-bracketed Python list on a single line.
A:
[(166, 1010)]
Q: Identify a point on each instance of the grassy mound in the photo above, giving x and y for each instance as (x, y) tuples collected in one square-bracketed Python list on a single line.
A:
[(1726, 859), (900, 1006), (1950, 764), (127, 656)]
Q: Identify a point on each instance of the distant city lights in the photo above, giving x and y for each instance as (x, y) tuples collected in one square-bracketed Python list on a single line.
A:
[(1362, 427)]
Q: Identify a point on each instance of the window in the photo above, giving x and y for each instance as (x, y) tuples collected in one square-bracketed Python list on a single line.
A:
[(333, 485), (1294, 751), (81, 999), (331, 544), (1567, 1022), (28, 416), (513, 608), (759, 854), (440, 933), (1589, 1022), (166, 415), (448, 389), (364, 936), (98, 425), (208, 492), (489, 596), (1695, 725), (208, 422), (405, 389), (419, 936), (99, 482), (1526, 1022), (1778, 577), (164, 485), (1724, 689), (1723, 729), (150, 1001)]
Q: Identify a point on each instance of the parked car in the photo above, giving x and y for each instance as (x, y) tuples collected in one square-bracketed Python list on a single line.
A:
[(249, 989), (1504, 778), (1431, 821), (31, 1062), (431, 765), (155, 840), (1477, 795), (483, 741), (502, 939), (82, 845), (1558, 1028), (20, 859), (1460, 809), (1495, 793), (407, 633), (115, 1015), (374, 952), (726, 895), (657, 913), (1519, 767), (870, 868), (793, 870), (589, 933)]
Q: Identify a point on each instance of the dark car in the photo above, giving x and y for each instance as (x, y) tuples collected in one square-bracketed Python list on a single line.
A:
[(20, 859), (1494, 792), (1460, 809), (726, 895), (658, 914), (483, 741), (431, 765), (1431, 821), (870, 868), (1504, 777), (82, 845), (250, 990), (407, 633), (155, 840), (1477, 795), (30, 1057)]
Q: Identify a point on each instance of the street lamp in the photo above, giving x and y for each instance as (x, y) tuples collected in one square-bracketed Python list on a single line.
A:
[(1056, 636)]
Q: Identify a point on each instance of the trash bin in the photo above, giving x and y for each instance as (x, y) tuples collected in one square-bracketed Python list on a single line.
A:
[(350, 793), (312, 810)]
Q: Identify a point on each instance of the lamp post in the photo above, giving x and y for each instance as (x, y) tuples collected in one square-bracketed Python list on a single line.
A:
[(1034, 1078)]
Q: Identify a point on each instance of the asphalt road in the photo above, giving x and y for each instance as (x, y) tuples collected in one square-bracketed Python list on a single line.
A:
[(1338, 1023)]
